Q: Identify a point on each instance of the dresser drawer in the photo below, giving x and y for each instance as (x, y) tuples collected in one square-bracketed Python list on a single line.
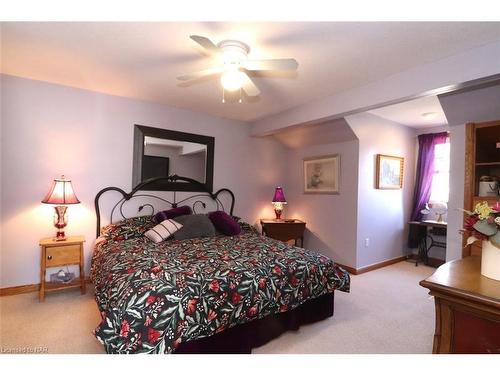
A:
[(61, 255)]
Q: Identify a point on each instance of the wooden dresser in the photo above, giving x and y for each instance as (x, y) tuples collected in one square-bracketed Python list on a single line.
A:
[(467, 308)]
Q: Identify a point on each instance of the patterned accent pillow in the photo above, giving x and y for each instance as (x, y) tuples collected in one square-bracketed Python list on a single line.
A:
[(163, 230), (129, 228)]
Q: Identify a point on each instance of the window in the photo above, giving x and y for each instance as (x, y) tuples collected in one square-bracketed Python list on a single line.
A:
[(440, 187)]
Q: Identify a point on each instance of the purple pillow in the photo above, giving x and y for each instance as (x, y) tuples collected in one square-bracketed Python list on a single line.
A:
[(170, 214), (224, 223)]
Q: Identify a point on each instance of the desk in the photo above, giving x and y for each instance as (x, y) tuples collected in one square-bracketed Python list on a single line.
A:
[(467, 308), (424, 245)]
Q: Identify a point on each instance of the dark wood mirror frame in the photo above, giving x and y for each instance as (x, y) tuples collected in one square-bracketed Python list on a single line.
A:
[(141, 131)]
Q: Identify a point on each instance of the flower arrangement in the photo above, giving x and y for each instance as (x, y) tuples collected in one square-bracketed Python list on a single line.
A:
[(483, 224)]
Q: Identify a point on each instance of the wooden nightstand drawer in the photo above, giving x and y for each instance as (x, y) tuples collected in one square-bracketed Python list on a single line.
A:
[(62, 255)]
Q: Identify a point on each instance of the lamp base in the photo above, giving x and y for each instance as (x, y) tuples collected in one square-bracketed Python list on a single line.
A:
[(60, 221), (278, 212), (60, 236)]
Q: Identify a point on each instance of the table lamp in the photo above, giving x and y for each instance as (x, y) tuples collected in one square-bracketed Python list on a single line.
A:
[(278, 201), (61, 194)]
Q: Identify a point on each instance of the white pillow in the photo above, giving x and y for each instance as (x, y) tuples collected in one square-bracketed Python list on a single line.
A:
[(163, 230)]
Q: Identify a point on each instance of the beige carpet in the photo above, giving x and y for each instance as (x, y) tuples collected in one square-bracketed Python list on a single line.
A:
[(386, 312)]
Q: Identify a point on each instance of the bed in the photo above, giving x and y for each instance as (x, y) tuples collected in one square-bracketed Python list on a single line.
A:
[(221, 294)]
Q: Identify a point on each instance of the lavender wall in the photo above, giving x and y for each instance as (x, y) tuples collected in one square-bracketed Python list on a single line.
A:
[(331, 219), (456, 201), (382, 214), (339, 224), (50, 129)]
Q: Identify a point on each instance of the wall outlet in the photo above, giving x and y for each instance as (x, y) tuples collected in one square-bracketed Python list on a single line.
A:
[(367, 242)]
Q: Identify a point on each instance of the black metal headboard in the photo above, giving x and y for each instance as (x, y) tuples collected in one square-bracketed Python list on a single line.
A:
[(196, 198)]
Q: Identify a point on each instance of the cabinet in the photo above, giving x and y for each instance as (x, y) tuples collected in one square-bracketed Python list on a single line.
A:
[(482, 158), (61, 253)]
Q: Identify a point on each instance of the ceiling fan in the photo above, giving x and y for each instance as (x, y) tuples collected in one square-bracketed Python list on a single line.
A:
[(234, 64)]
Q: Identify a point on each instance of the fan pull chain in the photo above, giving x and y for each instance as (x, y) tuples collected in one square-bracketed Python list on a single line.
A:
[(239, 101), (223, 96)]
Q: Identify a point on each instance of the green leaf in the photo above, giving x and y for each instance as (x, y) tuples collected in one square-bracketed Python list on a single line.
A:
[(141, 300), (483, 227), (238, 310), (181, 311), (134, 313), (172, 298)]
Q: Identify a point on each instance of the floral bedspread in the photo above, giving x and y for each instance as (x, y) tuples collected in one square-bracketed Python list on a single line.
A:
[(152, 297)]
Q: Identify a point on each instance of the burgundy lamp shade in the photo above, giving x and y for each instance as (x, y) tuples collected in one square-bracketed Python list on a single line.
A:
[(279, 195), (278, 201), (61, 192)]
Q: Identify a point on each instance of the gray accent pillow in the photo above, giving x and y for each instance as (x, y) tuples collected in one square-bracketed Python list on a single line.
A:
[(193, 226)]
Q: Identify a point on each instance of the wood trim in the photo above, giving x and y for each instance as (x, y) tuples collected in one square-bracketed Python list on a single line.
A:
[(468, 179), (12, 290), (378, 265), (351, 270), (371, 267), (21, 289)]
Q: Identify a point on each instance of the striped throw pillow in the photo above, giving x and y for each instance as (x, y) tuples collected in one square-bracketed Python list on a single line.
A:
[(163, 230)]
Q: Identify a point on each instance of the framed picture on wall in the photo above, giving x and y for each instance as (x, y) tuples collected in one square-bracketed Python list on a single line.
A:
[(389, 172), (322, 175)]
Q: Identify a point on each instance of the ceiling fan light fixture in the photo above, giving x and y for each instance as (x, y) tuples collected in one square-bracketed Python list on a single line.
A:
[(232, 80), (233, 64)]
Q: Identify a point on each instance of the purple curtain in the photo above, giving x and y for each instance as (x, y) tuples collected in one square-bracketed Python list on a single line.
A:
[(425, 171)]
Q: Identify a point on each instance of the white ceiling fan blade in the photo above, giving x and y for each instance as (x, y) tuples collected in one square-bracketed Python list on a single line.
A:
[(205, 43), (200, 74), (249, 87), (271, 64)]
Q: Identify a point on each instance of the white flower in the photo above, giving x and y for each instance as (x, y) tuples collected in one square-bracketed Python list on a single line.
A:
[(497, 220)]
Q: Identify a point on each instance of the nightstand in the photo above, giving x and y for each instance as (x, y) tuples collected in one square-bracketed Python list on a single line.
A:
[(61, 253), (283, 230)]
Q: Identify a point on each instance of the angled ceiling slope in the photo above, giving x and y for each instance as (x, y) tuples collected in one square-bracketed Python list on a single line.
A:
[(335, 131), (425, 112), (482, 104)]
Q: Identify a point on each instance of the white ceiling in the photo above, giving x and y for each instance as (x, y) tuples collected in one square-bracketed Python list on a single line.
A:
[(141, 60), (410, 113)]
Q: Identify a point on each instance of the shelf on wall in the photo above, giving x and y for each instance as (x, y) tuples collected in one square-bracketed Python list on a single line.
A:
[(487, 164)]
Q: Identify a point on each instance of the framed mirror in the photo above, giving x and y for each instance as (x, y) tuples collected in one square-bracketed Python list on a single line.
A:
[(161, 152)]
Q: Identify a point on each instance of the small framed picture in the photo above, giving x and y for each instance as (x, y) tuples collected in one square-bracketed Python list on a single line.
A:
[(322, 175), (389, 173)]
